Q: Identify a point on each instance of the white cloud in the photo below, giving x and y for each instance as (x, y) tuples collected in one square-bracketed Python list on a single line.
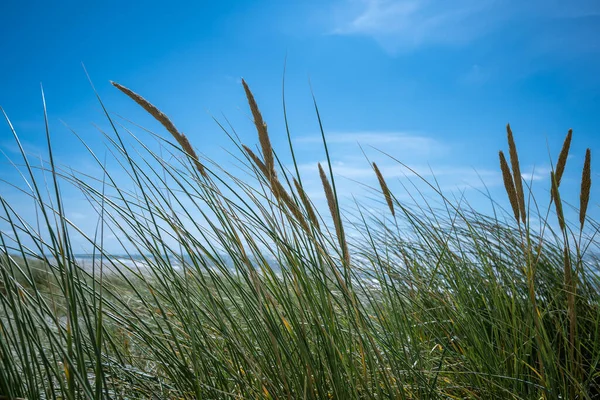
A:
[(355, 177), (356, 171), (537, 174), (380, 140), (422, 158), (406, 24), (403, 25)]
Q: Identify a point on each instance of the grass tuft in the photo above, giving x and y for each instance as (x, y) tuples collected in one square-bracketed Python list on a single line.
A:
[(236, 288)]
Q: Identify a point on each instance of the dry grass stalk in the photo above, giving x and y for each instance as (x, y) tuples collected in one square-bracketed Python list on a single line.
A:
[(586, 184), (516, 169), (261, 127), (166, 122), (562, 157), (509, 185), (334, 213), (307, 205), (557, 202), (328, 195), (385, 189)]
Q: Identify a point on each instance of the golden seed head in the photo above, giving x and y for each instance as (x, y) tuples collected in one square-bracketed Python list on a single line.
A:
[(187, 147), (586, 184), (282, 195), (334, 213), (277, 188), (259, 164), (557, 202), (562, 157), (385, 189), (346, 253), (307, 205), (261, 128), (166, 122), (509, 185), (516, 169), (328, 193)]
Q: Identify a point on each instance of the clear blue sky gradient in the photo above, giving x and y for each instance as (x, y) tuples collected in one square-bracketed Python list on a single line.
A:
[(431, 82)]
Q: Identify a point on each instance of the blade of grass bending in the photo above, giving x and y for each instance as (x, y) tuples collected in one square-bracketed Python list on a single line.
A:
[(337, 217), (69, 279), (287, 127), (144, 195), (99, 373)]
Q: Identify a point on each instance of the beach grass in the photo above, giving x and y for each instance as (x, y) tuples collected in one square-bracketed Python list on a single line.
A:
[(274, 298)]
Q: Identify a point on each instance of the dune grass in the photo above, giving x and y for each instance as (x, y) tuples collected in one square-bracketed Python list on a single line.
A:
[(276, 299)]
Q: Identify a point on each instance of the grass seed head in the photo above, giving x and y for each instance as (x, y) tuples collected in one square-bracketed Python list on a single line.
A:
[(261, 127), (509, 185), (562, 157), (516, 169), (557, 201), (307, 205), (257, 161), (282, 195), (277, 188), (334, 212), (328, 193), (586, 184), (385, 189), (166, 122)]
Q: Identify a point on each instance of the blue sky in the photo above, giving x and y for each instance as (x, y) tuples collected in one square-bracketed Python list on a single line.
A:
[(433, 83)]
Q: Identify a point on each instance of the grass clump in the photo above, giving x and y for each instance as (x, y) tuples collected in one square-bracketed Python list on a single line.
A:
[(236, 288)]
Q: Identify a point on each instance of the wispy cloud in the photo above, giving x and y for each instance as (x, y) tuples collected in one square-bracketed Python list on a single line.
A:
[(403, 25), (358, 182), (406, 24), (422, 158), (536, 174), (30, 149), (385, 141), (390, 170)]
